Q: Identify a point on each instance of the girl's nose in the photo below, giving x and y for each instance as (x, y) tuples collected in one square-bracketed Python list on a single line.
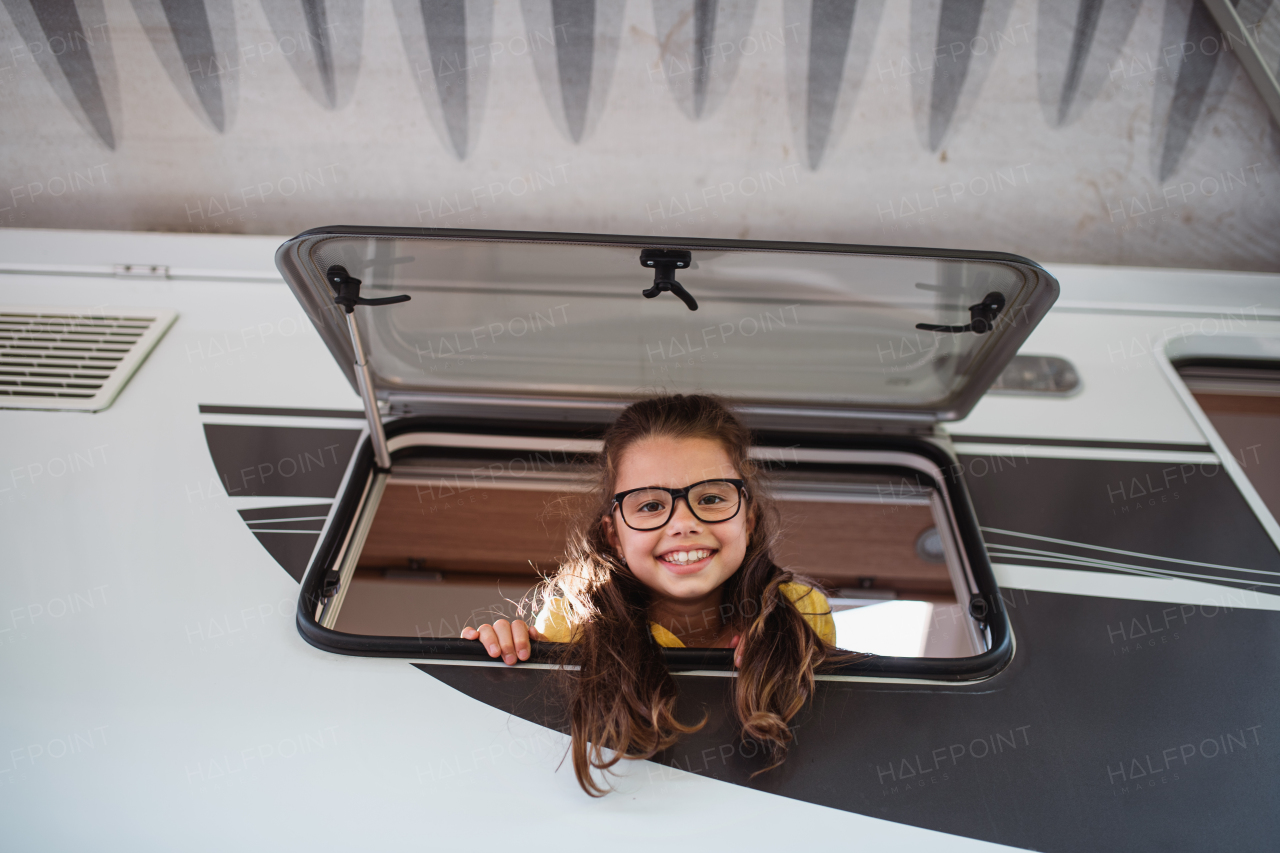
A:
[(682, 519)]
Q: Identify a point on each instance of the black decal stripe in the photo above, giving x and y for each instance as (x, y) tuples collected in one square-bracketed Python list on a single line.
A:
[(291, 551), (1159, 518), (1015, 547), (280, 412), (256, 461), (299, 462), (1051, 754), (1066, 442), (289, 533)]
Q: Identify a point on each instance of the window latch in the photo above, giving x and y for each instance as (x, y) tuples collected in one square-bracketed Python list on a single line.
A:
[(348, 290), (664, 263), (982, 317)]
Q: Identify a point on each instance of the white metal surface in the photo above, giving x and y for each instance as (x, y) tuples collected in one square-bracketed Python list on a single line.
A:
[(143, 624)]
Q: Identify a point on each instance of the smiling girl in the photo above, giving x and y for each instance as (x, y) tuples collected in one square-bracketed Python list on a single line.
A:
[(673, 550)]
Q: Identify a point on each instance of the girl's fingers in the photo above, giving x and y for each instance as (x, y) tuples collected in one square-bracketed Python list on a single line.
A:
[(507, 640), (489, 638), (736, 643), (520, 633), (503, 629)]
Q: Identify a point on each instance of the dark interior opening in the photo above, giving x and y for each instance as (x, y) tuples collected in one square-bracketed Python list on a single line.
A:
[(1242, 401), (460, 538)]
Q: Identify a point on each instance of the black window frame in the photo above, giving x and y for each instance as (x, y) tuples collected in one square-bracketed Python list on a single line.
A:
[(986, 606)]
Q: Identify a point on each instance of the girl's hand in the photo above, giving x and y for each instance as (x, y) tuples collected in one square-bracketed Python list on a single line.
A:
[(510, 640), (735, 643)]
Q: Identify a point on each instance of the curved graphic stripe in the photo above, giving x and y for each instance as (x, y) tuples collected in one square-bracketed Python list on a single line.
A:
[(1073, 72), (828, 46), (445, 24), (316, 28), (1191, 92), (574, 45), (196, 43), (189, 23), (75, 58), (1070, 735), (447, 42), (1086, 23), (704, 35), (957, 24), (700, 45), (832, 24), (58, 17), (321, 40), (574, 59), (953, 45)]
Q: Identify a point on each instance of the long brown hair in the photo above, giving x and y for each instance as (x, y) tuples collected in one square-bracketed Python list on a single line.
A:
[(620, 695)]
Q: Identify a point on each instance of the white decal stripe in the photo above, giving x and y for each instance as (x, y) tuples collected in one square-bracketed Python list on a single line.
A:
[(1136, 570), (1108, 550), (1040, 553), (273, 502), (263, 530), (1130, 587)]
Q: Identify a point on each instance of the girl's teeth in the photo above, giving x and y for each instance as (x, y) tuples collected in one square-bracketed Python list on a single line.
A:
[(687, 556)]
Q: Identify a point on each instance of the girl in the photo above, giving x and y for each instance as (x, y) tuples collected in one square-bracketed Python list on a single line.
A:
[(673, 550)]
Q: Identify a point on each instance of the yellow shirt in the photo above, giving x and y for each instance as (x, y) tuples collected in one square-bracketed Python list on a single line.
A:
[(554, 625)]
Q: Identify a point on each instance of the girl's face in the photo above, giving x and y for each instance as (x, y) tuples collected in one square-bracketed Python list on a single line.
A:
[(675, 463)]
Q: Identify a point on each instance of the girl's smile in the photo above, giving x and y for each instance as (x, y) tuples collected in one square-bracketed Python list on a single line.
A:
[(687, 560)]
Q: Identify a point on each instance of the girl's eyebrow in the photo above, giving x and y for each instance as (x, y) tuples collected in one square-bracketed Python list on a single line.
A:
[(686, 485)]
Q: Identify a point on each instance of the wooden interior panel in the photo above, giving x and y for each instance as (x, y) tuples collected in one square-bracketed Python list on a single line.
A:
[(1250, 425), (844, 544), (1239, 404), (490, 531), (518, 533)]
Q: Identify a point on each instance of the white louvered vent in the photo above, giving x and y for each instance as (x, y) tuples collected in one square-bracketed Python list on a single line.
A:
[(72, 359)]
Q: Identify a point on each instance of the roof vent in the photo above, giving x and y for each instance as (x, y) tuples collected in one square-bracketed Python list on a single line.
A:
[(72, 359)]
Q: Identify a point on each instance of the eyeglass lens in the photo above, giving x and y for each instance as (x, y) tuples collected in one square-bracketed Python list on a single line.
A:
[(652, 508)]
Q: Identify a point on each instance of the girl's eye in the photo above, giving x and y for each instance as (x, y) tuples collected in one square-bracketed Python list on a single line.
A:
[(710, 500), (651, 506)]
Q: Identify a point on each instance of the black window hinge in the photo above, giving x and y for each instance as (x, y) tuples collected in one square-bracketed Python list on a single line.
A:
[(982, 317)]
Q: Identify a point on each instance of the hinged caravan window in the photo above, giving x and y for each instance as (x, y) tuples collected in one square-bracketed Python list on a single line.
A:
[(801, 328), (514, 346)]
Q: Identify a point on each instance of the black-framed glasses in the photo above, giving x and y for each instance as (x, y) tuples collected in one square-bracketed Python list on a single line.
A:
[(710, 501)]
